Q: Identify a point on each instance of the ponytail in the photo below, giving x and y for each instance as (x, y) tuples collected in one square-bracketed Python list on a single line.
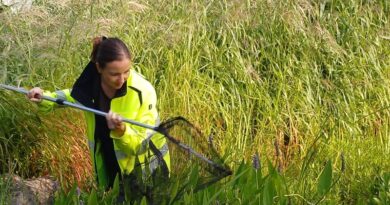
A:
[(106, 50), (96, 43)]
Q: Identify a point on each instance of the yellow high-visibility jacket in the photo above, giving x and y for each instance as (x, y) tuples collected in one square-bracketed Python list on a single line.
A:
[(136, 101)]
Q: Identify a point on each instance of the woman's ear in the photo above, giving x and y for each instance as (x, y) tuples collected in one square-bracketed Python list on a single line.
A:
[(99, 69)]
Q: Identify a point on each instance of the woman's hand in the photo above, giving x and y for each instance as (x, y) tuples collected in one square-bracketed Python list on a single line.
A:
[(35, 94), (114, 122)]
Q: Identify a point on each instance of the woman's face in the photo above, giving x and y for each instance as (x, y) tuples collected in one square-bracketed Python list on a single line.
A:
[(115, 73)]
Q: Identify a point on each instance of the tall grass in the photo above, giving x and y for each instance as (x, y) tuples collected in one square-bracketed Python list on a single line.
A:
[(300, 82), (4, 194)]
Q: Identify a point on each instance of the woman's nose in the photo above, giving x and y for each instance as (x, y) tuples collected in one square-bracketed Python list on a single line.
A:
[(122, 78)]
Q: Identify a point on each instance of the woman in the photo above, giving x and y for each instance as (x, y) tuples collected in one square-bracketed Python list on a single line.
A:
[(109, 84)]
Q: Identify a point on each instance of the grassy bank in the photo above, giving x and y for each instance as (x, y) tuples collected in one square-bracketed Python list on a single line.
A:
[(302, 83)]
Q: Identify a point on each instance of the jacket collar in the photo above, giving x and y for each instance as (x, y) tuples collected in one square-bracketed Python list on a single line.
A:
[(87, 88)]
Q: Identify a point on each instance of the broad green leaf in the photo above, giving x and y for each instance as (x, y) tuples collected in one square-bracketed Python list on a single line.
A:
[(115, 188), (92, 199), (240, 170), (325, 180), (143, 202), (193, 180), (71, 194), (59, 197), (269, 192), (249, 189), (205, 198), (187, 198), (174, 192)]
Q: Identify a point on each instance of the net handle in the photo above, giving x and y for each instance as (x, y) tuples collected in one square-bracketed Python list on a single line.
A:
[(104, 114)]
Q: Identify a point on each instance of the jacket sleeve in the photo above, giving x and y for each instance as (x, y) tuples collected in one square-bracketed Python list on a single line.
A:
[(135, 139), (46, 106)]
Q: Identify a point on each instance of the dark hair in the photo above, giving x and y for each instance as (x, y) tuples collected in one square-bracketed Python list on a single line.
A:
[(106, 50)]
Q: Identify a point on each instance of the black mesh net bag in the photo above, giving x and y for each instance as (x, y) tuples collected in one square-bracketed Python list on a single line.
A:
[(195, 164)]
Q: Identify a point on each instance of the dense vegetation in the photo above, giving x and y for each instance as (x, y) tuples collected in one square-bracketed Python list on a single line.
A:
[(302, 84)]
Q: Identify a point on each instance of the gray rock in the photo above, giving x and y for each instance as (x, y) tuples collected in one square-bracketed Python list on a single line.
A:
[(32, 191), (17, 5)]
